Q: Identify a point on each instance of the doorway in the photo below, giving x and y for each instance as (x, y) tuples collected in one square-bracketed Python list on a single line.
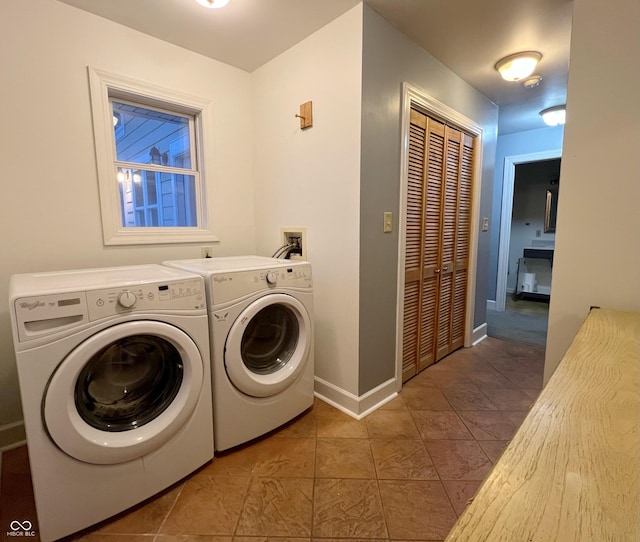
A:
[(531, 232), (509, 175)]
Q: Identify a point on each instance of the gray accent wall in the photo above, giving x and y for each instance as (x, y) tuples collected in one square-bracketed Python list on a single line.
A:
[(389, 59)]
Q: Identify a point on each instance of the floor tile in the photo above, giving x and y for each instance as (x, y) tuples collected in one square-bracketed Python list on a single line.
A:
[(459, 459), (277, 507), (279, 457), (208, 505), (488, 424), (468, 397), (425, 399), (405, 504), (493, 448), (147, 518), (391, 423), (461, 492), (340, 425), (397, 403), (304, 425), (440, 425), (192, 538), (509, 398), (348, 509), (344, 458), (488, 378), (402, 459), (402, 473)]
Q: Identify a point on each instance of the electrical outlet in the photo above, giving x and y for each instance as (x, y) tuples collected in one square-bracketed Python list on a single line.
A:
[(206, 252)]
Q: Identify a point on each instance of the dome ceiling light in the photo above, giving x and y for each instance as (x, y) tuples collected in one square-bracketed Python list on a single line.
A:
[(553, 116), (213, 3), (532, 81), (518, 66)]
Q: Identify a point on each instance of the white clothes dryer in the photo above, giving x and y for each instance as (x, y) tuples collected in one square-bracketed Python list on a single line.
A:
[(261, 336), (115, 383)]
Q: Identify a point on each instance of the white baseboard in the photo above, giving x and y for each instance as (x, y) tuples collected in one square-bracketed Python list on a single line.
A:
[(491, 304), (12, 435), (355, 406), (479, 334)]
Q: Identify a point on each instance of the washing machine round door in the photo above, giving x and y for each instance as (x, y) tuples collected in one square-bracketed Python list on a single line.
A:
[(124, 392), (268, 345)]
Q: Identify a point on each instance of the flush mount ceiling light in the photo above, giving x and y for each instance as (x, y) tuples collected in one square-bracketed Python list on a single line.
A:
[(213, 3), (532, 81), (518, 66), (553, 116)]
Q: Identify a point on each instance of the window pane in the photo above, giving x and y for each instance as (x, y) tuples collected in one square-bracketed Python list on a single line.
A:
[(152, 196), (174, 194), (148, 136)]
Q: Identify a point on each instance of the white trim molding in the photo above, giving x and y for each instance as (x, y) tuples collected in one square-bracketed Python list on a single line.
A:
[(355, 406), (479, 334), (104, 85)]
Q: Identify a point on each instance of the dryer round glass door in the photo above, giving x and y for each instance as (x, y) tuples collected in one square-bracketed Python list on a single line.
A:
[(123, 392), (268, 345)]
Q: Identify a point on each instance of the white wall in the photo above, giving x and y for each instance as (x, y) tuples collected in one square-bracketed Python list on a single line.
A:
[(50, 215), (311, 178), (597, 259)]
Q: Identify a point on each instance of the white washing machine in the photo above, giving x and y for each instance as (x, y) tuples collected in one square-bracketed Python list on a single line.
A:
[(115, 383), (261, 332)]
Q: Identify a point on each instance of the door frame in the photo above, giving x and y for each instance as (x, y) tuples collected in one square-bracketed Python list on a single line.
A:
[(508, 181), (412, 95)]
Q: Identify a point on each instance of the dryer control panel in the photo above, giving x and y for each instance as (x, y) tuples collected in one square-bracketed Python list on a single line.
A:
[(235, 285)]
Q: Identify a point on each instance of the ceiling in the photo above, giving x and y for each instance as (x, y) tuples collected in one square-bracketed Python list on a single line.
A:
[(468, 36)]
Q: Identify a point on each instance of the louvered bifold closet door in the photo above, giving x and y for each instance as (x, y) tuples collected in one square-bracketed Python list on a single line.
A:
[(413, 245), (440, 174), (463, 241), (436, 154), (425, 167)]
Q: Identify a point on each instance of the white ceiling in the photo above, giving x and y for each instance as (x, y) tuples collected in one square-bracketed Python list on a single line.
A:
[(468, 36)]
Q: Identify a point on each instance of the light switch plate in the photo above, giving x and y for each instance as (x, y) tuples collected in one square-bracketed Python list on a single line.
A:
[(388, 222)]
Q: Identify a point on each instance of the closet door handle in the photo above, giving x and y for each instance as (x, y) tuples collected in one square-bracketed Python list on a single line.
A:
[(436, 271)]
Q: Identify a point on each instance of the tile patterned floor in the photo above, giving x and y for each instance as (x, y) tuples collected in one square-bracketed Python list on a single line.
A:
[(405, 472)]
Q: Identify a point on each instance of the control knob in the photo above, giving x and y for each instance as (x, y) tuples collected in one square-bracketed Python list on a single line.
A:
[(127, 299), (271, 277)]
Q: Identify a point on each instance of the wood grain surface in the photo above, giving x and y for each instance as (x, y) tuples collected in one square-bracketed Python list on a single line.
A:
[(571, 472)]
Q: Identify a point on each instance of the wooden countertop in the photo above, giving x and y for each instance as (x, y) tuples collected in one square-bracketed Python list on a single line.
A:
[(572, 471)]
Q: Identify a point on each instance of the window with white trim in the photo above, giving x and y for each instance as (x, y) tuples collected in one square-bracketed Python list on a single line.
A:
[(149, 145)]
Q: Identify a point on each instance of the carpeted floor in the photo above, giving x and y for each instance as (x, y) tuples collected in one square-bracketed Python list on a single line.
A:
[(516, 325)]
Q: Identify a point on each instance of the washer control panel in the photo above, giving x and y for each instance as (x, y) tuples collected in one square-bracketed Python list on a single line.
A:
[(39, 316), (178, 295)]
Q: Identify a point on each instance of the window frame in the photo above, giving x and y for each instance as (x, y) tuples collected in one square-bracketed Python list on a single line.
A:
[(104, 87)]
